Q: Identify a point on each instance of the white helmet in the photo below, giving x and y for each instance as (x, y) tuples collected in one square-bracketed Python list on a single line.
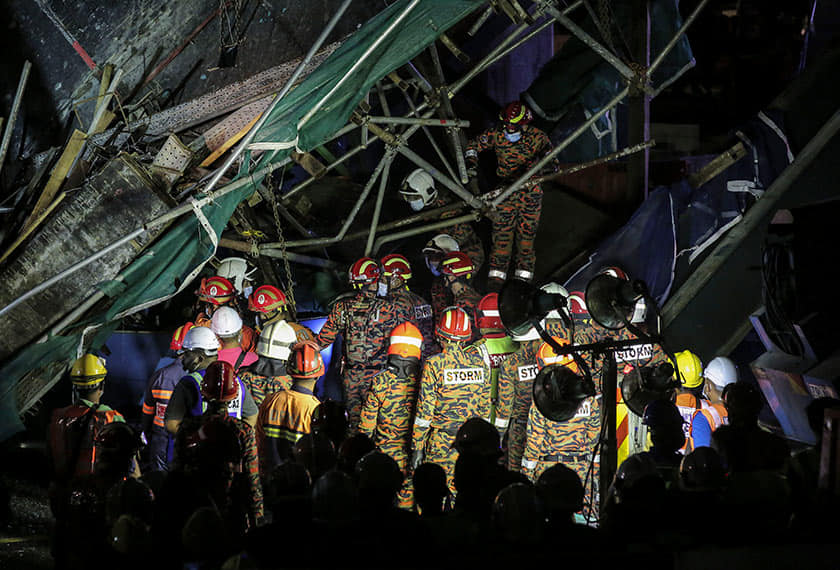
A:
[(555, 289), (721, 371), (235, 270), (441, 243), (418, 189), (530, 334), (276, 340), (201, 337), (226, 322)]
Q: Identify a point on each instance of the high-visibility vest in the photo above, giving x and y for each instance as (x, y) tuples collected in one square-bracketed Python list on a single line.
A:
[(688, 404), (715, 414)]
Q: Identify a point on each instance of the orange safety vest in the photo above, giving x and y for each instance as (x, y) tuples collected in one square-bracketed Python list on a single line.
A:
[(715, 414), (688, 404)]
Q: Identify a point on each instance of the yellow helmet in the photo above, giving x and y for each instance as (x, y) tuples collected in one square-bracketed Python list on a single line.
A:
[(88, 371), (690, 367)]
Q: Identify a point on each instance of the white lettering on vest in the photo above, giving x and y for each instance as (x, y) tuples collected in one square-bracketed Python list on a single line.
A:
[(463, 376), (422, 312), (643, 351), (527, 372), (585, 409)]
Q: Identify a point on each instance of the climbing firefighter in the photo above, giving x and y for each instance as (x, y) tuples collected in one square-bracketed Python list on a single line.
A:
[(720, 373), (454, 386), (496, 346), (434, 252), (268, 374), (286, 416), (418, 189), (74, 429), (397, 271), (570, 442), (457, 269), (197, 445), (156, 398), (518, 146), (365, 322), (389, 405), (215, 292), (186, 400), (271, 305)]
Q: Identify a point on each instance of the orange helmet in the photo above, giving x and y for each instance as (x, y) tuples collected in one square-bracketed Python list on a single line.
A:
[(219, 383), (454, 324), (396, 264), (305, 361), (216, 290), (177, 342), (457, 263), (515, 113), (364, 271), (488, 316), (406, 340), (546, 355), (266, 298)]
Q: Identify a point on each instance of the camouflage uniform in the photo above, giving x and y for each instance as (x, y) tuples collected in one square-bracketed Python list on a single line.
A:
[(262, 386), (496, 350), (519, 369), (422, 318), (366, 323), (519, 213), (454, 387), (442, 298)]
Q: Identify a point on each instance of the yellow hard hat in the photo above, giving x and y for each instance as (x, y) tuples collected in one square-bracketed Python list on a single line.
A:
[(690, 367), (88, 370)]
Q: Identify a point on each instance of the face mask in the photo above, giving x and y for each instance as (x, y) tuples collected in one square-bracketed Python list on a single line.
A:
[(433, 267), (382, 290), (513, 137), (247, 291), (416, 204)]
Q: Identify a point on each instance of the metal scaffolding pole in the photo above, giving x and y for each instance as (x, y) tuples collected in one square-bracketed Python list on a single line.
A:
[(440, 177), (448, 123), (346, 156), (456, 136), (423, 229), (559, 148), (377, 210), (429, 136)]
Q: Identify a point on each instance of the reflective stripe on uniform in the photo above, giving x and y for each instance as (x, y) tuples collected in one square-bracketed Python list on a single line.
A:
[(148, 410), (523, 274), (501, 423), (420, 422), (495, 273), (162, 394), (282, 433), (718, 419), (529, 464)]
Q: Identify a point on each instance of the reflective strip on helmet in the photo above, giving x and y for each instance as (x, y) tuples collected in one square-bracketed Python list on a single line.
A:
[(471, 153), (420, 422), (501, 423), (396, 339), (523, 274), (518, 117), (490, 313), (85, 381), (527, 464), (562, 359), (495, 273)]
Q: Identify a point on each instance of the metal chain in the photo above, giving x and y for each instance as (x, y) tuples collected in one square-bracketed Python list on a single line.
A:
[(605, 23), (229, 27), (290, 290)]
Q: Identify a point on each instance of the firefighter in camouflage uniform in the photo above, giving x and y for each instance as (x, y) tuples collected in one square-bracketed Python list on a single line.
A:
[(456, 270), (365, 322), (388, 411), (454, 387), (496, 346), (271, 306), (268, 374), (398, 271), (418, 189), (518, 146)]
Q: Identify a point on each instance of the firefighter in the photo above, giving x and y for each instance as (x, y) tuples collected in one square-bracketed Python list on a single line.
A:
[(365, 322), (268, 374), (186, 400), (389, 405), (156, 398), (571, 442), (215, 292), (456, 270), (286, 416), (454, 386), (496, 346), (271, 305), (197, 446), (227, 324), (397, 270), (418, 190), (73, 429), (518, 146), (689, 396), (434, 252), (720, 373)]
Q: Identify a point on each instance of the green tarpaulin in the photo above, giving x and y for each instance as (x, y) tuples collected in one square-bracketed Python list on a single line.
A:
[(178, 256)]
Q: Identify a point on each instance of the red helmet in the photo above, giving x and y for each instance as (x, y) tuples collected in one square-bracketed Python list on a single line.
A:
[(577, 303), (396, 264), (546, 355), (266, 298), (364, 271), (615, 271), (458, 264), (488, 316), (177, 342), (515, 113), (305, 361), (219, 383), (406, 340), (454, 324), (216, 290)]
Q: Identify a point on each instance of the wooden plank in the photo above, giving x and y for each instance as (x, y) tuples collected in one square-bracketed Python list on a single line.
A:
[(309, 163), (62, 167), (28, 229), (717, 165)]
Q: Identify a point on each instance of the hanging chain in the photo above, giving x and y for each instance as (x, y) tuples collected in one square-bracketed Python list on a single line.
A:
[(229, 25), (605, 23), (290, 290)]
